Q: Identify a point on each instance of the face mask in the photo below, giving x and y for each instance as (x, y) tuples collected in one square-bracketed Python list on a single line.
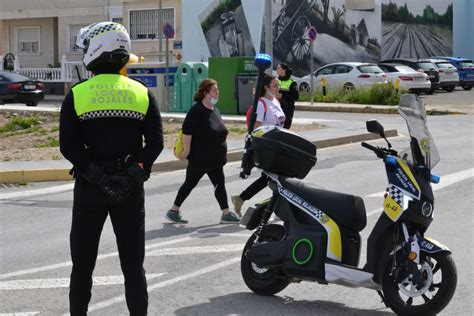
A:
[(213, 101), (271, 94)]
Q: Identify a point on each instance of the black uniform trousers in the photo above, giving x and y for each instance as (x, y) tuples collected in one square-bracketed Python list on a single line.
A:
[(90, 210)]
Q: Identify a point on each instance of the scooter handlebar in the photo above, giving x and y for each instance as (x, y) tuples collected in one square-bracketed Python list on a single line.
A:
[(378, 151)]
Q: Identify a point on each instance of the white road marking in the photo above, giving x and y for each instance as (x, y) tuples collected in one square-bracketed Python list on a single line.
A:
[(20, 314), (446, 180), (69, 263), (64, 282), (195, 250), (44, 191), (152, 287)]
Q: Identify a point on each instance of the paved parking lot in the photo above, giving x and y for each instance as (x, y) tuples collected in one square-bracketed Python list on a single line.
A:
[(460, 99)]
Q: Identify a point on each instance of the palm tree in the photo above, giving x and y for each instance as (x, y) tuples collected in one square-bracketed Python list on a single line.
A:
[(338, 18)]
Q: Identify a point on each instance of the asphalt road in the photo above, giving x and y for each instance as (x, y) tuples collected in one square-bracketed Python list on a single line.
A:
[(194, 269)]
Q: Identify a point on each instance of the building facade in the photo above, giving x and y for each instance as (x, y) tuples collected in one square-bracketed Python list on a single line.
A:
[(41, 32)]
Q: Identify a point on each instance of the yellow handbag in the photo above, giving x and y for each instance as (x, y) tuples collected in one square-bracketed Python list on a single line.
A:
[(178, 145)]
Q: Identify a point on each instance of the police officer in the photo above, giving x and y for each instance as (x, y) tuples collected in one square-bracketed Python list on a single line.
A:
[(103, 123), (288, 93)]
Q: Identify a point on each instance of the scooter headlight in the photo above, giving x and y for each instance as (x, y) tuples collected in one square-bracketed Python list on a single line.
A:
[(427, 209)]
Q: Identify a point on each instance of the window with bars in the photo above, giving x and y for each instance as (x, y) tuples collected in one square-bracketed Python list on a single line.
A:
[(28, 40), (145, 24), (73, 31), (118, 20)]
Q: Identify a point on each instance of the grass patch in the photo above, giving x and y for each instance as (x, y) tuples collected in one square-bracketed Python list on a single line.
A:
[(383, 94), (54, 129), (50, 142), (238, 130), (20, 123)]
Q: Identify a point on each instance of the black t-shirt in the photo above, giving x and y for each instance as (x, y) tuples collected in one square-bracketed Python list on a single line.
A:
[(208, 143)]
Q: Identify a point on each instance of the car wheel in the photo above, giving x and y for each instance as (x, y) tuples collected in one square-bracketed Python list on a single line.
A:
[(348, 87), (304, 88), (466, 87), (430, 91), (449, 89), (31, 103)]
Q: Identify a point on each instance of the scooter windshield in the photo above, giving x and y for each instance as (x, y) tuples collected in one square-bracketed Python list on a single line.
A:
[(413, 111)]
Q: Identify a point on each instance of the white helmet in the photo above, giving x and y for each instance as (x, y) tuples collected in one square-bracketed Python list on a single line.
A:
[(104, 42)]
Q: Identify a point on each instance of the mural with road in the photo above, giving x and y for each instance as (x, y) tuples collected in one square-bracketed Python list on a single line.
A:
[(417, 29)]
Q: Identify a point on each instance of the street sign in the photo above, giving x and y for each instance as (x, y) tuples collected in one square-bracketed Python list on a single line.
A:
[(312, 33), (178, 44), (168, 30)]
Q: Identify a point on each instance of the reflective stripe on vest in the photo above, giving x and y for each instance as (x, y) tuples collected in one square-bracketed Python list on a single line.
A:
[(110, 95), (285, 84)]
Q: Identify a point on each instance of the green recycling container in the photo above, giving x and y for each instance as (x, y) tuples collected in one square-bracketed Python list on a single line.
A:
[(183, 89), (200, 73)]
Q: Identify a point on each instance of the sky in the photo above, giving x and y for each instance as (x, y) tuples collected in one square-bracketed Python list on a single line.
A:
[(416, 7)]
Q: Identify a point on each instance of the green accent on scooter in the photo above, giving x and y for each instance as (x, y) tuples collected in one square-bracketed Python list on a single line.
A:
[(293, 252)]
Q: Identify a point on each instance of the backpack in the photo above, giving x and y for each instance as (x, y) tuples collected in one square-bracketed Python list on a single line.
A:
[(178, 145), (250, 110)]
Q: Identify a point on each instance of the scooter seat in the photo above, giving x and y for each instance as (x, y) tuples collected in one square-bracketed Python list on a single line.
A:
[(345, 209)]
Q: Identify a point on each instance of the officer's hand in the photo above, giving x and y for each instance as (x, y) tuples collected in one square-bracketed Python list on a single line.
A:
[(136, 174)]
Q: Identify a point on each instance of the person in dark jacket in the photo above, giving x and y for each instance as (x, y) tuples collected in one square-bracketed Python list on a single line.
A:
[(205, 147), (102, 126), (288, 93)]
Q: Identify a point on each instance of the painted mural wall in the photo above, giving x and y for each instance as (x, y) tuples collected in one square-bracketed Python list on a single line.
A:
[(417, 29), (348, 30)]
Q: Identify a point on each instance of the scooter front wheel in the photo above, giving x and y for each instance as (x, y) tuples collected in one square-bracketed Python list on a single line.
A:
[(428, 295), (262, 280)]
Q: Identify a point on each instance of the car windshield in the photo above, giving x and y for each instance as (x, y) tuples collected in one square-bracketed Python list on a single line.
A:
[(14, 77), (466, 63), (413, 111), (426, 66), (405, 69), (445, 65), (370, 69)]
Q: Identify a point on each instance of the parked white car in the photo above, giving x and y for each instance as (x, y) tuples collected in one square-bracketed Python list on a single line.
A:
[(344, 75), (408, 78), (448, 74)]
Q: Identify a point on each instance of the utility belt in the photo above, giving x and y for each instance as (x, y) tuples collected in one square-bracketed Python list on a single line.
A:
[(116, 166), (116, 178)]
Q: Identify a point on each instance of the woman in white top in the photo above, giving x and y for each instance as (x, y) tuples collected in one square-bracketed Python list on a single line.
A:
[(269, 113)]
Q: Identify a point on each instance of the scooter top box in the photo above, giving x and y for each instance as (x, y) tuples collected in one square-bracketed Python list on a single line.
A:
[(283, 152)]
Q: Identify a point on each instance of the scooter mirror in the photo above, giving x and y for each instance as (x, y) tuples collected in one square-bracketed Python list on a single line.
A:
[(375, 127)]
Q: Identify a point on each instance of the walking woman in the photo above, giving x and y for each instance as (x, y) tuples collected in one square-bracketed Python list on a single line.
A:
[(269, 113), (288, 93), (205, 147)]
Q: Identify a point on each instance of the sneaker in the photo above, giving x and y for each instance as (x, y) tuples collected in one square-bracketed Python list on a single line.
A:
[(238, 202), (175, 217), (230, 218)]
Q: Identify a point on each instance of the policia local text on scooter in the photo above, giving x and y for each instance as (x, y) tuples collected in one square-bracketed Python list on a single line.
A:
[(319, 239)]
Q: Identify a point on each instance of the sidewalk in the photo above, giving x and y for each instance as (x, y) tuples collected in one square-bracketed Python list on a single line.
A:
[(55, 170)]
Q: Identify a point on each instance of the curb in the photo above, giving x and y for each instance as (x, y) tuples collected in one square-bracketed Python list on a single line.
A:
[(374, 109), (62, 174)]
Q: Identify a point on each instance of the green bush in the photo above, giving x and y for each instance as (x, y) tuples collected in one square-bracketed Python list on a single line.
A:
[(383, 94)]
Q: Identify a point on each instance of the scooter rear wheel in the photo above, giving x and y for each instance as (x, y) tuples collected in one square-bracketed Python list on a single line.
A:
[(261, 280), (431, 295)]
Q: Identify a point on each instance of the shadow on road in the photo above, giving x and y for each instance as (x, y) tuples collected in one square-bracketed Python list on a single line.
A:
[(252, 304), (204, 231)]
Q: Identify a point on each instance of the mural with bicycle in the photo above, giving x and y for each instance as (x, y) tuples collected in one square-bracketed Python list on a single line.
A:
[(225, 28), (345, 32)]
